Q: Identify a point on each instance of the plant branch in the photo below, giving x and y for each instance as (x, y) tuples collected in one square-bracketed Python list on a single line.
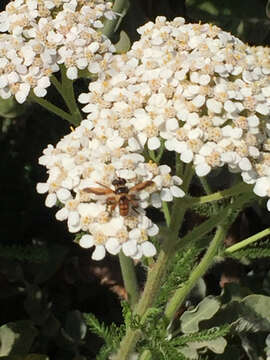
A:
[(166, 213), (239, 188), (156, 274), (52, 108), (207, 260), (69, 96), (129, 278), (242, 244), (179, 296), (110, 25)]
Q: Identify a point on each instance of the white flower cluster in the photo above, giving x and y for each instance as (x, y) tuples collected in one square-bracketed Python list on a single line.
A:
[(200, 89), (88, 159), (42, 34)]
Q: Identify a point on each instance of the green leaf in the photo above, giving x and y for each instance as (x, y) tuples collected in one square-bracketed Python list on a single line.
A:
[(123, 45), (217, 345), (189, 352), (251, 314), (16, 338), (259, 305), (205, 310)]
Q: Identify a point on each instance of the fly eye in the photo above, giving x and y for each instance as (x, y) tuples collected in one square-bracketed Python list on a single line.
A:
[(118, 182), (122, 181)]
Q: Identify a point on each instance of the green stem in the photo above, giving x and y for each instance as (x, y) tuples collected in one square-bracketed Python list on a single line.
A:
[(52, 108), (208, 225), (178, 165), (208, 191), (152, 155), (129, 278), (239, 188), (207, 260), (160, 151), (205, 185), (146, 355), (69, 96), (156, 156), (242, 244), (110, 25), (166, 213), (56, 84), (60, 90), (156, 274), (179, 296)]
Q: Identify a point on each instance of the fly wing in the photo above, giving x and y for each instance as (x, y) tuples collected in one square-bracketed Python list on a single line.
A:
[(140, 186), (98, 191)]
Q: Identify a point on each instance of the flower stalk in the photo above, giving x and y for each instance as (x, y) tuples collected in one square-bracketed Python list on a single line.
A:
[(178, 298), (69, 96), (129, 278), (52, 108), (110, 26), (156, 274)]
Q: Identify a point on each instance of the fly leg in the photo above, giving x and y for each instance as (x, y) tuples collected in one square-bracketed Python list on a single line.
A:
[(134, 203), (111, 203)]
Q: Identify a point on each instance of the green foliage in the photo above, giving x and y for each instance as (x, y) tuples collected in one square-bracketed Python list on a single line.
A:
[(16, 338), (248, 314), (210, 208), (111, 335), (36, 283), (123, 44), (251, 253), (172, 346), (206, 309), (178, 273), (203, 335)]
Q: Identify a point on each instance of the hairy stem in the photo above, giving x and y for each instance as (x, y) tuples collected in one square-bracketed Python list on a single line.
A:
[(146, 355), (239, 188), (179, 296), (207, 260), (242, 244), (129, 278), (156, 274), (166, 213)]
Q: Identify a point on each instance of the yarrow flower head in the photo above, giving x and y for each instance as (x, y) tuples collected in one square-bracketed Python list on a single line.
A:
[(194, 87), (103, 189), (43, 35)]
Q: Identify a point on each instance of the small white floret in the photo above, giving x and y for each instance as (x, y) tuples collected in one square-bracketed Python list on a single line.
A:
[(86, 241)]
